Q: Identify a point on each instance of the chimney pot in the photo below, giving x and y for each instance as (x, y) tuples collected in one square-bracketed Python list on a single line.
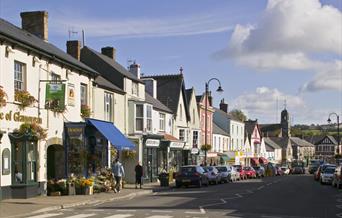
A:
[(223, 106), (35, 22), (74, 48), (109, 52)]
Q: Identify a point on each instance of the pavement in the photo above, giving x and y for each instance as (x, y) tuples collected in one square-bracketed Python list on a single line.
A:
[(12, 208)]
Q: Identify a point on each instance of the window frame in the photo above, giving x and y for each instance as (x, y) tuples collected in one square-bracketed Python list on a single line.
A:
[(109, 106), (181, 136), (140, 118), (23, 73), (84, 94), (162, 122), (149, 124)]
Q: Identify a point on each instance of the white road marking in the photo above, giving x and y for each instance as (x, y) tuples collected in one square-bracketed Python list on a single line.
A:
[(126, 210), (119, 216), (261, 187), (46, 215), (193, 212), (240, 196), (269, 184), (339, 200), (339, 215), (202, 210), (339, 206), (81, 215), (223, 201)]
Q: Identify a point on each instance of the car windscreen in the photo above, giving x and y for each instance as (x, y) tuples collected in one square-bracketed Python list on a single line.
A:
[(256, 168), (246, 168), (188, 170), (329, 170), (222, 169)]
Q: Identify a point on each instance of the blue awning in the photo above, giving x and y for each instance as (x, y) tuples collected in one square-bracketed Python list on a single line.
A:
[(112, 134)]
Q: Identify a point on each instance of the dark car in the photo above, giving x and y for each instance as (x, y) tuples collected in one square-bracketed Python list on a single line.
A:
[(260, 171), (313, 167), (191, 175), (297, 170)]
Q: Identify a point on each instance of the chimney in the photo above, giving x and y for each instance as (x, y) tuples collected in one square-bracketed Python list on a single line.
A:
[(109, 52), (74, 48), (135, 69), (210, 99), (151, 87), (35, 22), (223, 106)]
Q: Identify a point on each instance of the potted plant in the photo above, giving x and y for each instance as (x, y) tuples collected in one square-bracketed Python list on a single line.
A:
[(85, 111), (3, 97), (128, 154), (34, 128), (206, 147), (24, 98)]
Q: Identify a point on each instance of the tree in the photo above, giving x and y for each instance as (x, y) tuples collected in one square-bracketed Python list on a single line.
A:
[(238, 114)]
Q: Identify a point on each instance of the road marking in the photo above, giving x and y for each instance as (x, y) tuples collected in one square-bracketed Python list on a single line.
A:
[(159, 216), (81, 215), (182, 192), (223, 201), (119, 216), (269, 184), (339, 215), (193, 212), (46, 215), (202, 210), (240, 196), (339, 206), (339, 200), (261, 187), (161, 211), (94, 210), (126, 210)]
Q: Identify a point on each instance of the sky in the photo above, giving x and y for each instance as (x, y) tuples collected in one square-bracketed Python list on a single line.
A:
[(264, 52)]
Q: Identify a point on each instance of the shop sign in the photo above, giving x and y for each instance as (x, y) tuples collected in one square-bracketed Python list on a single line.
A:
[(74, 131), (152, 143), (71, 94), (212, 154), (55, 96), (176, 144), (194, 151), (18, 117)]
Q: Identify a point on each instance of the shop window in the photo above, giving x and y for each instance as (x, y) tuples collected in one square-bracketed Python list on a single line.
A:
[(149, 118), (6, 162), (161, 122), (139, 117), (24, 162), (19, 76)]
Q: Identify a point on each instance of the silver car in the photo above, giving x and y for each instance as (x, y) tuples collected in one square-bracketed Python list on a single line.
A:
[(327, 175), (213, 174), (234, 174), (224, 171)]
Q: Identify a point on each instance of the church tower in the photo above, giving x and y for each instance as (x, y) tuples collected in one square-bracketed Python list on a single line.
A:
[(285, 124)]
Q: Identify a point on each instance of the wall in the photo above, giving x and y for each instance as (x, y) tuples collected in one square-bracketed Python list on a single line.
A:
[(194, 123), (181, 122)]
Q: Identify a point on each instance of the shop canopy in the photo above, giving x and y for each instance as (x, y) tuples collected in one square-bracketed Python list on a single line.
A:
[(263, 160), (112, 134), (229, 156), (255, 161)]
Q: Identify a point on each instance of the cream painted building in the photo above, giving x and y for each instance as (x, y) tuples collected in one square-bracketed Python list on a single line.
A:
[(28, 63)]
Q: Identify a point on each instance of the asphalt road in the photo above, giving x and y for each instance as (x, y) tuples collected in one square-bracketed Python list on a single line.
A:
[(287, 196)]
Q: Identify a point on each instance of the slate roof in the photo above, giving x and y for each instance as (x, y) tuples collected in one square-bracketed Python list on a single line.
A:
[(300, 142), (222, 113), (271, 143), (314, 139), (219, 131), (271, 130), (188, 93), (105, 84), (280, 141), (156, 103), (269, 148), (107, 67), (29, 41), (169, 88)]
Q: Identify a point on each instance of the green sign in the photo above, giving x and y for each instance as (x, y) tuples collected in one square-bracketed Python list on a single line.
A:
[(55, 97)]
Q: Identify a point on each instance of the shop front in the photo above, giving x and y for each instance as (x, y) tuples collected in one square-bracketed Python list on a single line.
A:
[(195, 158), (154, 157), (175, 159)]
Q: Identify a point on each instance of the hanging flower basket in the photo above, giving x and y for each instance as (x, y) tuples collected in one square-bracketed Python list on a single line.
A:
[(35, 129), (25, 98), (206, 147), (128, 154), (85, 111), (3, 97)]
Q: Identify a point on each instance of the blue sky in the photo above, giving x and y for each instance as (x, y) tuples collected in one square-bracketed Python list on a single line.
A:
[(262, 51)]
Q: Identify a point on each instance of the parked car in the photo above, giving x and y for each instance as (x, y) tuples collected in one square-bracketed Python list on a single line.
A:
[(313, 167), (242, 173), (250, 172), (260, 171), (297, 170), (191, 175), (337, 177), (224, 171), (213, 174), (234, 174), (317, 174), (327, 175), (279, 171), (285, 169)]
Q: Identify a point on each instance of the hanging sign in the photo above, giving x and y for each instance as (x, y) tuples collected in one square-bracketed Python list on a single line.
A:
[(152, 143), (55, 96)]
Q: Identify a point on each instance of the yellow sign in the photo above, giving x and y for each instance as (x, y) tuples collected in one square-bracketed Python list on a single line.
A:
[(18, 117)]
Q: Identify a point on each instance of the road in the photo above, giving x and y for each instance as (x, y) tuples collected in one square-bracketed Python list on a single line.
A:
[(274, 197)]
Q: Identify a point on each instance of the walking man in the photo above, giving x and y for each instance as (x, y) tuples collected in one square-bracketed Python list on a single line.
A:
[(138, 175), (118, 172)]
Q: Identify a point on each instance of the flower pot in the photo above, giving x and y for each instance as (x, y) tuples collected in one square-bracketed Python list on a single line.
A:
[(89, 190)]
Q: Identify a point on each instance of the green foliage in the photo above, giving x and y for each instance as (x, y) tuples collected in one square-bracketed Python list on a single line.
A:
[(85, 111), (238, 114), (128, 154), (25, 98), (206, 147), (3, 97), (35, 129)]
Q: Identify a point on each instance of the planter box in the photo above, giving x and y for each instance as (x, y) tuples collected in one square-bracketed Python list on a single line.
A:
[(55, 193)]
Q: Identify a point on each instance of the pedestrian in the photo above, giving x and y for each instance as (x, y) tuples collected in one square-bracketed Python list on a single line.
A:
[(118, 172), (138, 175)]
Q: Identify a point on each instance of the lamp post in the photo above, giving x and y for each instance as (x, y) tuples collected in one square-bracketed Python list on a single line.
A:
[(219, 90), (338, 130)]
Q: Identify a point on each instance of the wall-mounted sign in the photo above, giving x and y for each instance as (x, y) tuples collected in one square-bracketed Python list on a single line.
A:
[(179, 145), (18, 117), (71, 94), (152, 143), (195, 151), (55, 96), (6, 162)]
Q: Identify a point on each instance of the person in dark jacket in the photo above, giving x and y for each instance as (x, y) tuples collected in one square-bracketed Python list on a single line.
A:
[(138, 175)]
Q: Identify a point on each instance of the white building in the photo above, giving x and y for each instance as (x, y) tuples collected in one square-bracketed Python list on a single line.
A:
[(221, 143), (29, 64)]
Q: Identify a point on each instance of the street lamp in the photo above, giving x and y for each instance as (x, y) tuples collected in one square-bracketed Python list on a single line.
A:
[(338, 130), (219, 90)]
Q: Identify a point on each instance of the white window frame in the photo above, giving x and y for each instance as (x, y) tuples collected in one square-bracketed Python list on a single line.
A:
[(19, 76), (108, 106), (84, 94), (135, 88), (136, 118), (182, 136), (149, 112), (162, 119)]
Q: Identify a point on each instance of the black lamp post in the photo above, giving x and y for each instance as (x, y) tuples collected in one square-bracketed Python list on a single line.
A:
[(219, 90), (338, 130)]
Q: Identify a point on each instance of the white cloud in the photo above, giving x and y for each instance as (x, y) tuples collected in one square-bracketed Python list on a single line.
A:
[(262, 103), (329, 78), (288, 34), (143, 27)]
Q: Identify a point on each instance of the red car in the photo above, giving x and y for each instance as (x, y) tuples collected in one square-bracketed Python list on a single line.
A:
[(250, 172), (242, 172)]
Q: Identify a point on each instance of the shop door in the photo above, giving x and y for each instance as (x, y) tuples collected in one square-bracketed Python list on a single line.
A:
[(152, 164)]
